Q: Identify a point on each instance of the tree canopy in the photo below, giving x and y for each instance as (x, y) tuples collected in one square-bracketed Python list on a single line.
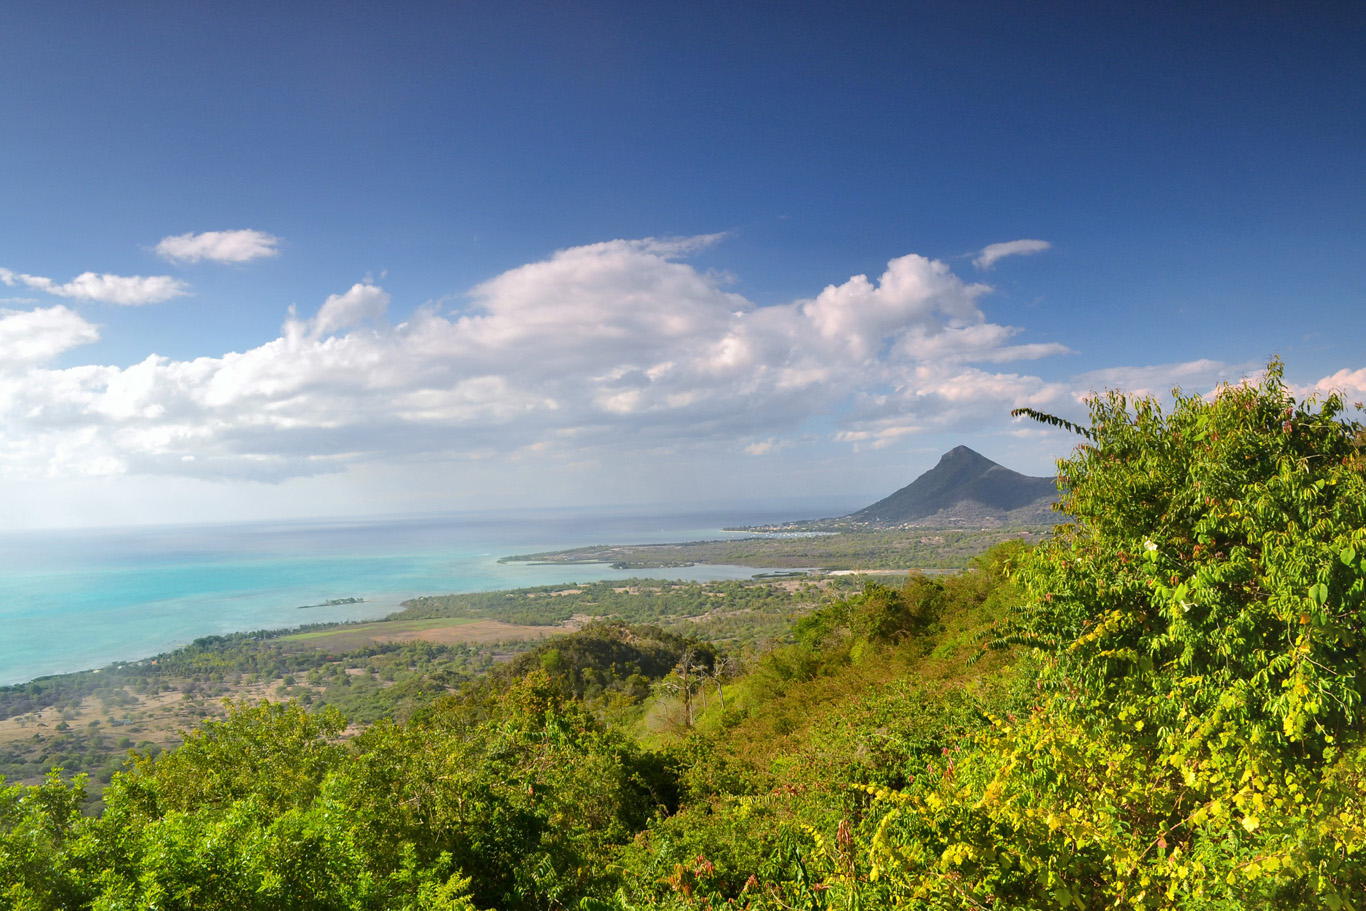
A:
[(1197, 736)]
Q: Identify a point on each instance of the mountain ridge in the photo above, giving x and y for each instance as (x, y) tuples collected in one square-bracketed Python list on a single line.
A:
[(965, 486)]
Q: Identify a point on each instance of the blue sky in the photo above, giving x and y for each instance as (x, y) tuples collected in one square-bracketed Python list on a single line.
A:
[(307, 259)]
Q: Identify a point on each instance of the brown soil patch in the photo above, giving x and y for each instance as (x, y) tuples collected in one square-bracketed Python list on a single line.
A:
[(481, 631)]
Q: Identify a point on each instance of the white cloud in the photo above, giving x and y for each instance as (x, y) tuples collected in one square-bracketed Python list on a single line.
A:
[(1158, 380), (616, 345), (219, 246), (125, 290), (37, 336), (1350, 384), (947, 397), (673, 247), (344, 311), (992, 252)]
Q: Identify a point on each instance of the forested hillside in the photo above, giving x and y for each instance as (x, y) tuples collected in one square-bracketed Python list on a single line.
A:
[(88, 721), (1158, 707)]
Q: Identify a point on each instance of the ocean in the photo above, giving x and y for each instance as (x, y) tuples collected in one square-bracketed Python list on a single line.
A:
[(74, 600)]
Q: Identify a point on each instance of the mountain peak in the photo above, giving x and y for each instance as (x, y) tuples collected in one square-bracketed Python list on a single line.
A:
[(963, 454), (965, 484)]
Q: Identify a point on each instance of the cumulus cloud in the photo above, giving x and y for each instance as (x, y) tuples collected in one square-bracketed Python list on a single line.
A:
[(618, 344), (363, 302), (218, 246), (1350, 384), (992, 252), (124, 290), (38, 336)]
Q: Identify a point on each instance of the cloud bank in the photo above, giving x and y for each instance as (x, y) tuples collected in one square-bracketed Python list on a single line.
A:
[(992, 252), (218, 246), (124, 290), (617, 345)]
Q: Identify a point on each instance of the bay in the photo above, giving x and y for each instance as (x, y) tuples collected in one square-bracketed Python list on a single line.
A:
[(75, 600)]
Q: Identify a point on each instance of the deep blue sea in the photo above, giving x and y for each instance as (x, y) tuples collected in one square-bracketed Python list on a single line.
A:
[(72, 600)]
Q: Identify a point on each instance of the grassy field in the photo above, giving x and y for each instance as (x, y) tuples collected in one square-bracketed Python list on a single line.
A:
[(443, 631)]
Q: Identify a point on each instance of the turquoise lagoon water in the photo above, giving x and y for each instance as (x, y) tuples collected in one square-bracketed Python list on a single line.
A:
[(75, 600)]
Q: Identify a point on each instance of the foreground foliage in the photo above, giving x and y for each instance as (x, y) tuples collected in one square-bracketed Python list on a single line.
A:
[(1197, 739)]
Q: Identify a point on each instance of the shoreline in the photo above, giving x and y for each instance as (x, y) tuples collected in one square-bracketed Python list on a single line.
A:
[(378, 607), (40, 648)]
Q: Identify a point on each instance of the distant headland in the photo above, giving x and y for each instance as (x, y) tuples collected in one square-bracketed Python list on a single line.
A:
[(961, 506)]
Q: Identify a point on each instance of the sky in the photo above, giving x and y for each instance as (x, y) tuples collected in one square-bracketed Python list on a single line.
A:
[(264, 260)]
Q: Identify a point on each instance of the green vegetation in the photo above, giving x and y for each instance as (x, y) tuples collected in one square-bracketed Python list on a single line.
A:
[(742, 612), (1196, 739), (1158, 707), (88, 721), (557, 777)]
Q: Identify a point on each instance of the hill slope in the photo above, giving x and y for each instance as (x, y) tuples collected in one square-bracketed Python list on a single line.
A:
[(965, 486)]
